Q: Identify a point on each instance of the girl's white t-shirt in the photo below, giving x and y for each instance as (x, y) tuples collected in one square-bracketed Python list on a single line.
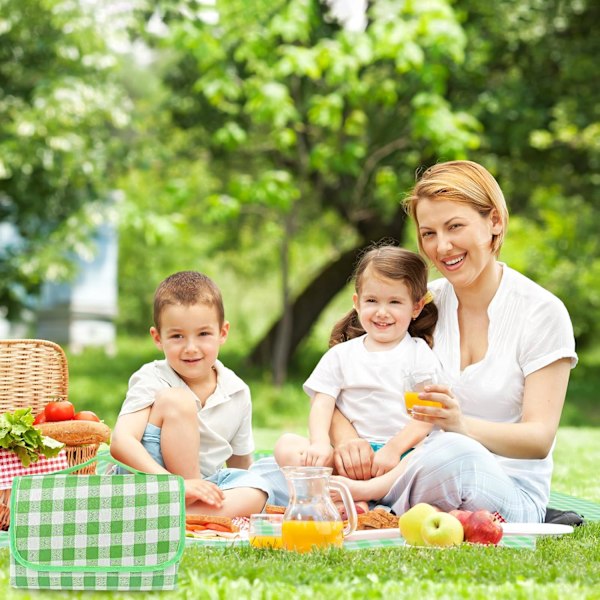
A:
[(369, 386), (529, 329)]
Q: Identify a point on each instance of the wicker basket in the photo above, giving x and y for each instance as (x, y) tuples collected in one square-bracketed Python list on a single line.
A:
[(33, 373)]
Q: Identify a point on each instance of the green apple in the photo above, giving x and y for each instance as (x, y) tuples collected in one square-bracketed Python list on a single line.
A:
[(411, 521), (442, 529)]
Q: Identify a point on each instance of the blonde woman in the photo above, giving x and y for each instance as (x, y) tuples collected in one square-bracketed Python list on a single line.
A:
[(506, 346)]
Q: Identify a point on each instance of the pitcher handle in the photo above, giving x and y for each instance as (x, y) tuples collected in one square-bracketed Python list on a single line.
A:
[(342, 488)]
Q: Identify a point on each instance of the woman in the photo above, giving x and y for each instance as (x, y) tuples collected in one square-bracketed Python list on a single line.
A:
[(507, 348)]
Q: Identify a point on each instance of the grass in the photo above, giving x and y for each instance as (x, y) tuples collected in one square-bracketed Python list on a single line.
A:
[(566, 567)]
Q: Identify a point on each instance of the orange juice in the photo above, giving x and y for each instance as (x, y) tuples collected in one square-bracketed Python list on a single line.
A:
[(265, 541), (412, 398), (303, 536)]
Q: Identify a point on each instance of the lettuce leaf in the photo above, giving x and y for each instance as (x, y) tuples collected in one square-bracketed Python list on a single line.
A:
[(18, 434)]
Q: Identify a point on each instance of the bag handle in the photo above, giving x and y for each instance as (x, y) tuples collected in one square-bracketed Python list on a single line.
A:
[(105, 456)]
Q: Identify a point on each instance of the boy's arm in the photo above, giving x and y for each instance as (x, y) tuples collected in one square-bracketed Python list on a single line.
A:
[(388, 457), (235, 461), (126, 445)]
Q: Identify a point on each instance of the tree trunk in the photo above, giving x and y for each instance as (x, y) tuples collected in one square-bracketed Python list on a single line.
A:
[(307, 307), (283, 332), (305, 310)]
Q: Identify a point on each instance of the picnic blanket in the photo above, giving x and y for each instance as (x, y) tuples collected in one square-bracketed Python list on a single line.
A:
[(513, 541), (590, 510)]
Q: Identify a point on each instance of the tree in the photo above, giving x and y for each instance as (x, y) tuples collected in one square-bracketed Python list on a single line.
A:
[(304, 122), (527, 79), (59, 112), (304, 119)]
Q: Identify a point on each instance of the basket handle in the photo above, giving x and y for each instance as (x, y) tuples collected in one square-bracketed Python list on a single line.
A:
[(105, 456)]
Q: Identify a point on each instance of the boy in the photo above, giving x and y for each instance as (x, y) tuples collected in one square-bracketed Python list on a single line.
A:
[(189, 414)]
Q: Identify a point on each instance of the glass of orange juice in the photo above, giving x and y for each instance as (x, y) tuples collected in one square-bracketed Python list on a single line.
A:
[(265, 530), (414, 385)]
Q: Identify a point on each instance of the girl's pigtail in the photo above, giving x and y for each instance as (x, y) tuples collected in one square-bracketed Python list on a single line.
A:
[(347, 328), (424, 325)]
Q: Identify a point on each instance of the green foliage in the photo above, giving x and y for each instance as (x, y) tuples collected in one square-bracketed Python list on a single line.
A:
[(550, 249), (18, 434), (273, 138), (303, 121), (297, 109), (59, 111), (527, 80)]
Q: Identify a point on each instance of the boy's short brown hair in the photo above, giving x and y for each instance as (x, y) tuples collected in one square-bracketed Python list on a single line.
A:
[(187, 288)]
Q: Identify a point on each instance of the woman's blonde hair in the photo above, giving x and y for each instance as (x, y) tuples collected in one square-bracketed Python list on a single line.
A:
[(465, 182)]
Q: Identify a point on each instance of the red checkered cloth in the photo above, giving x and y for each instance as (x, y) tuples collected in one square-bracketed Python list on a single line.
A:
[(243, 523), (10, 466)]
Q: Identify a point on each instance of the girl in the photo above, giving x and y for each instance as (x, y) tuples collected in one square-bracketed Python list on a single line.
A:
[(384, 338)]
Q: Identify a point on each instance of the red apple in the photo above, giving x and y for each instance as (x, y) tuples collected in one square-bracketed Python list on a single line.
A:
[(482, 527), (461, 515)]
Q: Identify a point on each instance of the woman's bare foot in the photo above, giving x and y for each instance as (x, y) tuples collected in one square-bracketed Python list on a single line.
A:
[(364, 490)]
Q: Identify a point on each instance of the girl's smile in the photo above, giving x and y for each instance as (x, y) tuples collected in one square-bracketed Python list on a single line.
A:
[(385, 309)]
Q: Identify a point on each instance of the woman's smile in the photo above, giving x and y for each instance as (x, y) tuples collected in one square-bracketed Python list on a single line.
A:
[(453, 263)]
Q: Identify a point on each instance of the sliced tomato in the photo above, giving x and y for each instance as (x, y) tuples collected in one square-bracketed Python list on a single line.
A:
[(191, 527), (217, 527)]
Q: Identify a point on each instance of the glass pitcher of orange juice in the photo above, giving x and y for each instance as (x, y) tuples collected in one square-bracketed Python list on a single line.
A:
[(311, 519)]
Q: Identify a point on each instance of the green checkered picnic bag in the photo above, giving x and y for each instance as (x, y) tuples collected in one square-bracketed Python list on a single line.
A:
[(96, 532)]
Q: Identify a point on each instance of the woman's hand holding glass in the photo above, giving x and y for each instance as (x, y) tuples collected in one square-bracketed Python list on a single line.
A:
[(447, 415)]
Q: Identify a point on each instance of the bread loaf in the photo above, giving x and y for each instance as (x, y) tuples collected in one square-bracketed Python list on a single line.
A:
[(76, 433)]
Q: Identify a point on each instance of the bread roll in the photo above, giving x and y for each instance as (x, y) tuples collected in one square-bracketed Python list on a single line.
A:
[(76, 433)]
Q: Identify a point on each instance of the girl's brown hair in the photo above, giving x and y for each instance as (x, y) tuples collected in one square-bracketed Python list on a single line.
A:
[(398, 264)]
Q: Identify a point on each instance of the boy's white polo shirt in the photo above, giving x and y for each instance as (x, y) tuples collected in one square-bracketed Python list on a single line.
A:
[(224, 422)]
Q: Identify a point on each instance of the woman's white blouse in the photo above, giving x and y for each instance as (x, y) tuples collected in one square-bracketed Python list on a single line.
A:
[(529, 329)]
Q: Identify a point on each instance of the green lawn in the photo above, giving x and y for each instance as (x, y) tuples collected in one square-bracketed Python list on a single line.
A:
[(559, 568)]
